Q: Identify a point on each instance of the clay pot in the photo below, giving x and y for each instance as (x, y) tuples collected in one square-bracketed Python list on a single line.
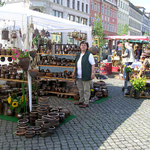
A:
[(51, 130), (5, 34), (44, 133), (22, 122), (37, 130), (29, 134), (20, 133), (24, 63), (33, 73), (38, 122)]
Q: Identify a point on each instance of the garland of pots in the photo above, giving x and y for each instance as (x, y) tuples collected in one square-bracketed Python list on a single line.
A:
[(43, 119)]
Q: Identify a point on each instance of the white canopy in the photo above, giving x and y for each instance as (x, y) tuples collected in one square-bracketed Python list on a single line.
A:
[(127, 37), (53, 24)]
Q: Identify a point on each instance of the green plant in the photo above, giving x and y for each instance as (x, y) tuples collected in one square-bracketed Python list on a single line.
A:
[(16, 103), (128, 69), (35, 40), (139, 84), (18, 53)]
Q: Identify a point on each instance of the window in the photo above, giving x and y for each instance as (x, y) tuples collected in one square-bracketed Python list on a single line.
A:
[(108, 12), (73, 4), (91, 5), (68, 3), (83, 7), (78, 5), (84, 21), (57, 1), (99, 8), (71, 17), (57, 13), (61, 2), (95, 7), (77, 19), (86, 8), (105, 10), (102, 9)]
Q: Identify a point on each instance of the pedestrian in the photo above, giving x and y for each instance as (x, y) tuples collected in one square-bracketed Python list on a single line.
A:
[(84, 73), (128, 59)]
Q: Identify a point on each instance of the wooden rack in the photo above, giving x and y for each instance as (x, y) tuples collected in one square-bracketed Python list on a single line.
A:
[(56, 66), (56, 78), (5, 55), (13, 80)]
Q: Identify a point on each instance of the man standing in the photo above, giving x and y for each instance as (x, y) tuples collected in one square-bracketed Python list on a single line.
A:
[(84, 73), (128, 59)]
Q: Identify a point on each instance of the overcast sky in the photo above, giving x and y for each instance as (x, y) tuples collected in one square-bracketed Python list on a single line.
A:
[(143, 3)]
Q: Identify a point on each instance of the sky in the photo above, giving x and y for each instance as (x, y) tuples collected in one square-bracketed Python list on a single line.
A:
[(143, 3)]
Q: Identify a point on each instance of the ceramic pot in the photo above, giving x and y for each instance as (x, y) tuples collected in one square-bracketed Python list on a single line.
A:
[(5, 34), (51, 129), (24, 63)]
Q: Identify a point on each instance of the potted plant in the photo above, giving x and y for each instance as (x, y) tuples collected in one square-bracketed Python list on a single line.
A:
[(16, 104), (138, 85), (23, 56)]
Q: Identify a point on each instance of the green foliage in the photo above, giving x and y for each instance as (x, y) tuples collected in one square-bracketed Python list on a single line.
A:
[(18, 53), (139, 84), (123, 29), (128, 69), (35, 40), (2, 4), (97, 31), (146, 33)]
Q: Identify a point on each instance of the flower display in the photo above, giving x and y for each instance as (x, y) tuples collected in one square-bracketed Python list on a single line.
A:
[(18, 53), (139, 84), (16, 103)]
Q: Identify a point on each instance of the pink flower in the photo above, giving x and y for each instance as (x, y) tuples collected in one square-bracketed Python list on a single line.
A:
[(11, 49), (13, 58), (15, 51), (25, 50), (17, 55)]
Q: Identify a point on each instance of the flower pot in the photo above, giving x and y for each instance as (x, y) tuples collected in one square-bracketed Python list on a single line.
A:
[(33, 73), (33, 54), (137, 94), (24, 63), (5, 34)]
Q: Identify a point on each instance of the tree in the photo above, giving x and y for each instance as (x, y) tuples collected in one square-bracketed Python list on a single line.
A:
[(146, 33), (97, 31), (123, 29), (1, 3)]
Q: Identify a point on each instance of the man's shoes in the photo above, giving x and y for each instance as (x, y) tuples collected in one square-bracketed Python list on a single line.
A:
[(78, 103), (84, 105)]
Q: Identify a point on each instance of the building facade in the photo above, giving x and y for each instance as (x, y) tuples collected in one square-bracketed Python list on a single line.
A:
[(135, 20), (95, 9), (109, 17), (123, 15), (145, 21), (74, 10), (108, 10)]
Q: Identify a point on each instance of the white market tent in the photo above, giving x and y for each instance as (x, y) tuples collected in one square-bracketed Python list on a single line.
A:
[(23, 18), (128, 37)]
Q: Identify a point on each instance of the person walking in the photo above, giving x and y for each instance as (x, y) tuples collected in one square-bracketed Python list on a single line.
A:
[(84, 73)]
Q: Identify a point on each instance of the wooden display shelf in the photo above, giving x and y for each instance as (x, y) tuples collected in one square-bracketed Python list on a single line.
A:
[(57, 54), (70, 94), (13, 80), (56, 66), (5, 55), (52, 78)]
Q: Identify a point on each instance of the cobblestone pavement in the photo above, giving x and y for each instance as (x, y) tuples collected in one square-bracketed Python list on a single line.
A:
[(116, 124)]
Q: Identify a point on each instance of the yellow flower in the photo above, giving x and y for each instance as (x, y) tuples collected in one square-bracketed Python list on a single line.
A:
[(92, 90), (14, 104), (22, 98), (9, 100)]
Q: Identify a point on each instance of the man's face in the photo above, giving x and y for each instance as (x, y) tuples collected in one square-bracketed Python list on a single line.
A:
[(83, 46)]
